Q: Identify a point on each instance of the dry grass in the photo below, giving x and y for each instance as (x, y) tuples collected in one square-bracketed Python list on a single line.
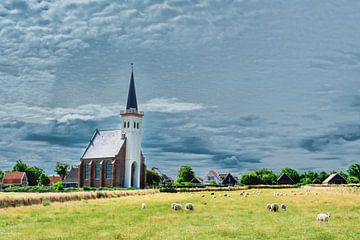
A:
[(26, 199)]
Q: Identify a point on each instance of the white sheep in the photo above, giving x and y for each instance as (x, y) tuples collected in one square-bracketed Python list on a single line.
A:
[(274, 207), (203, 195), (172, 205), (143, 206), (268, 206), (189, 206), (177, 207), (323, 217), (283, 206), (225, 195)]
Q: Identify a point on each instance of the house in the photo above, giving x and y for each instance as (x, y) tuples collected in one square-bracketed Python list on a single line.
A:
[(335, 178), (197, 180), (72, 178), (54, 179), (113, 158), (15, 178), (228, 179), (285, 179), (212, 177), (163, 177)]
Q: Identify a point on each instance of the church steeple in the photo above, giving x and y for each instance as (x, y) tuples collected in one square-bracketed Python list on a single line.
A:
[(131, 105)]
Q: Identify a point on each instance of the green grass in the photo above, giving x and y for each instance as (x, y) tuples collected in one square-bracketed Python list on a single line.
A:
[(221, 218)]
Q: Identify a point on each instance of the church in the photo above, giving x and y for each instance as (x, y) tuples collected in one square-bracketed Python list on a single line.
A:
[(113, 158)]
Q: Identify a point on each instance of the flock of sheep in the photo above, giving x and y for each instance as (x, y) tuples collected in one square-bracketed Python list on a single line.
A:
[(273, 207)]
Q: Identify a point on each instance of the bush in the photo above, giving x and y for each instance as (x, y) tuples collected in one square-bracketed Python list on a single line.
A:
[(250, 179), (316, 181), (58, 186), (353, 179)]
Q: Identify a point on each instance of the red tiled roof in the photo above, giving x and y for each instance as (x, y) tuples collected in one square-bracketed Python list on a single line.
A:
[(54, 179), (214, 173), (13, 177)]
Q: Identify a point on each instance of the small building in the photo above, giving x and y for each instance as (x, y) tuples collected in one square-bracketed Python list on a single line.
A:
[(163, 177), (15, 178), (72, 178), (285, 179), (335, 178), (228, 179), (212, 177), (197, 180), (54, 179)]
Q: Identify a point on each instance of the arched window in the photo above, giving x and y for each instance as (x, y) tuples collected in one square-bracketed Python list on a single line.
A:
[(97, 170), (86, 171), (128, 124), (137, 125), (108, 169), (124, 124), (134, 124)]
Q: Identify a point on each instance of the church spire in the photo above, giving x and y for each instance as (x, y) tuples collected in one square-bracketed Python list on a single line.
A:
[(131, 101)]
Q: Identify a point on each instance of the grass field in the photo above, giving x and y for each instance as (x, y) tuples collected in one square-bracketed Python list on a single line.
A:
[(220, 218)]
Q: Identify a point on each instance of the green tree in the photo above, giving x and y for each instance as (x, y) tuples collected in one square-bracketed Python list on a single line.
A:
[(20, 166), (186, 174), (250, 178), (1, 174), (44, 180), (61, 169), (269, 178), (33, 175), (354, 170), (152, 178), (293, 174), (353, 179), (323, 175), (306, 180)]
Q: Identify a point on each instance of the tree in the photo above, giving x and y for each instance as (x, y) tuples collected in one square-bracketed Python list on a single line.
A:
[(1, 174), (20, 166), (44, 180), (354, 170), (353, 179), (293, 174), (152, 178), (61, 169), (186, 174), (323, 175), (269, 178), (33, 175), (250, 178)]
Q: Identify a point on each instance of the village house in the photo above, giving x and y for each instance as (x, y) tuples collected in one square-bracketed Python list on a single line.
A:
[(224, 178), (197, 180), (72, 178), (113, 158), (15, 178), (285, 179), (54, 179), (334, 178)]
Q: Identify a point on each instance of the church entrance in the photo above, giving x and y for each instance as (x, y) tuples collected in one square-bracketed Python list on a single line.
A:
[(134, 175)]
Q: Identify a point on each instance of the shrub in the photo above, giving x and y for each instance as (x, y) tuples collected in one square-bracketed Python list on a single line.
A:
[(352, 179), (58, 186), (316, 181)]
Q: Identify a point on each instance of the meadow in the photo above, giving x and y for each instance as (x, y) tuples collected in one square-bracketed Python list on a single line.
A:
[(234, 217)]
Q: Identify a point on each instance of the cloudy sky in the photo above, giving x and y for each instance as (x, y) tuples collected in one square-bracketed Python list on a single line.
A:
[(228, 85)]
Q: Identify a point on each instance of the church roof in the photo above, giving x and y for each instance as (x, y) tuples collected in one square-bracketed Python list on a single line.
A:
[(131, 101), (104, 144)]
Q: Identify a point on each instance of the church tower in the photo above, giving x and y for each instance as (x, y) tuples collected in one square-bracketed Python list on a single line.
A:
[(131, 124)]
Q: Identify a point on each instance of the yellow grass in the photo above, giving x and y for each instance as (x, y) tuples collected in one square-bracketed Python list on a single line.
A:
[(220, 218)]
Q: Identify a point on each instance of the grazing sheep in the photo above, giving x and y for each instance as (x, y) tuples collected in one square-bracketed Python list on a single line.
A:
[(189, 206), (214, 196), (143, 206), (225, 195), (283, 206), (274, 207), (276, 194), (268, 206), (177, 207), (212, 193), (323, 217), (203, 195), (172, 205)]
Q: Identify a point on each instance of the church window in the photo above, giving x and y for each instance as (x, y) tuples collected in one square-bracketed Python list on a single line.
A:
[(137, 125), (97, 170), (134, 124), (128, 124), (124, 124), (108, 170), (86, 171)]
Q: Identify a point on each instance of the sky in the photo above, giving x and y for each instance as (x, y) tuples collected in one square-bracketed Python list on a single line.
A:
[(227, 85)]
